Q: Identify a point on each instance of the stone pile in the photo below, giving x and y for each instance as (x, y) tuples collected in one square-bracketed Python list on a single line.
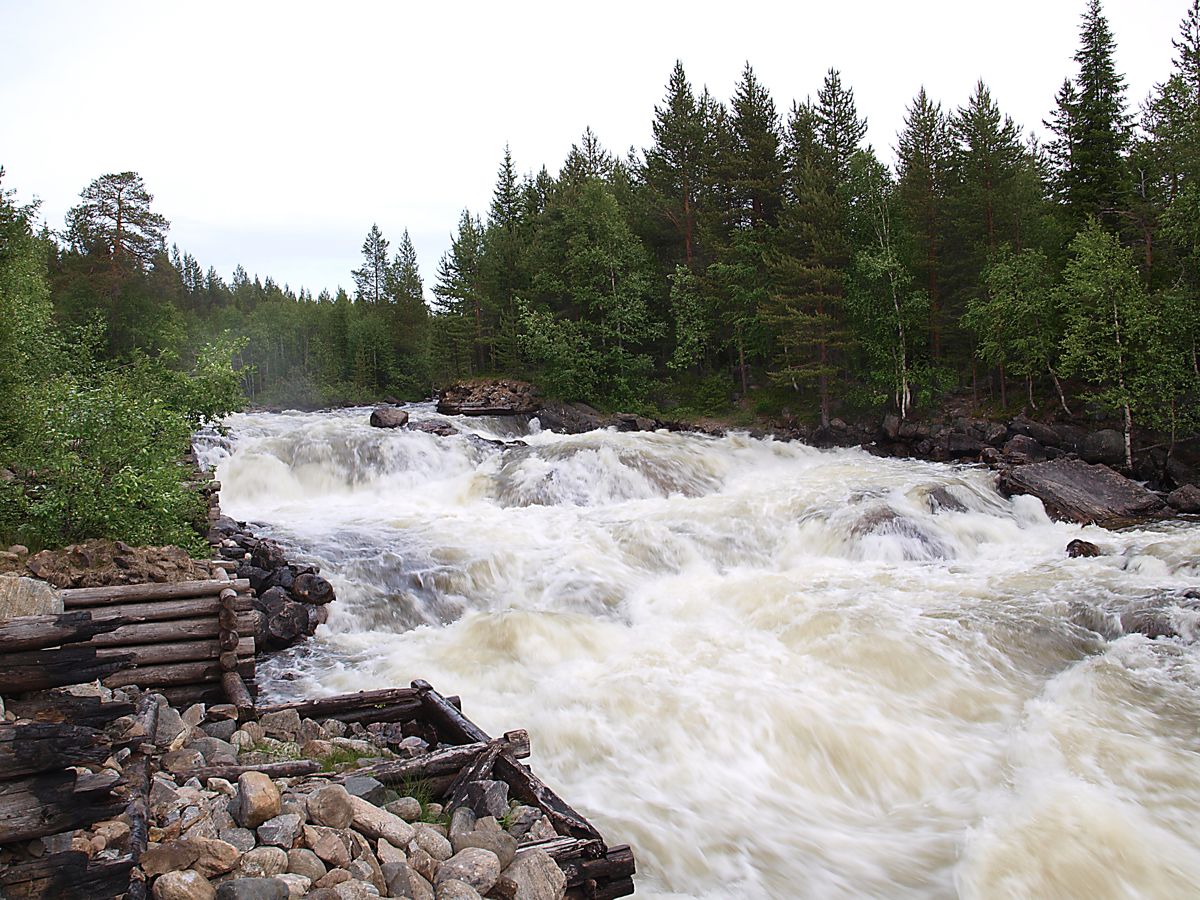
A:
[(291, 598)]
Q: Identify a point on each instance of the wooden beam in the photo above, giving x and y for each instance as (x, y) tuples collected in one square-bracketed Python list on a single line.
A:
[(36, 632), (132, 593), (165, 610)]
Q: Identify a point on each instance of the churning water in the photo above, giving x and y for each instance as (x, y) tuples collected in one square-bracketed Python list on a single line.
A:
[(775, 671)]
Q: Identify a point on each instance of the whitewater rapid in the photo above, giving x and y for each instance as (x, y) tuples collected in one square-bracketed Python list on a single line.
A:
[(775, 671)]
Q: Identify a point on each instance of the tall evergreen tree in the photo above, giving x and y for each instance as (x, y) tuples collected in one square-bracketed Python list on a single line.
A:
[(757, 170), (674, 165), (838, 126), (371, 281)]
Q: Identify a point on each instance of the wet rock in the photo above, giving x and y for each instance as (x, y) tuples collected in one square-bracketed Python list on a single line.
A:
[(940, 499), (535, 876), (268, 555), (1080, 548), (330, 806), (570, 418), (1074, 491), (185, 885), (252, 889), (1185, 499), (441, 429), (314, 589), (262, 862), (1106, 446), (258, 799), (478, 868), (388, 417), (963, 446)]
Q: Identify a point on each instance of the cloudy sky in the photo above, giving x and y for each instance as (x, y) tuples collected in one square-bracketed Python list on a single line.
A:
[(273, 134)]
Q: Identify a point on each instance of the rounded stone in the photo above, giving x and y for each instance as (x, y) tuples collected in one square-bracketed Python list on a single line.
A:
[(331, 807), (186, 885), (263, 862), (477, 867)]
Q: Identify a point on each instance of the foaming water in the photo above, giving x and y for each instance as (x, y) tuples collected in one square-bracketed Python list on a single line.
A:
[(775, 671)]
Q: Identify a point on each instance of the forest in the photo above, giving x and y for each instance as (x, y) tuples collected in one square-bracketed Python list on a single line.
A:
[(752, 261)]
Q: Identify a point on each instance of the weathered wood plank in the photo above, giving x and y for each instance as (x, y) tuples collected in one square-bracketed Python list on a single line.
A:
[(49, 803), (334, 707), (37, 670), (178, 651), (239, 694), (32, 747), (61, 706), (172, 674), (175, 630), (132, 593), (37, 632), (165, 610)]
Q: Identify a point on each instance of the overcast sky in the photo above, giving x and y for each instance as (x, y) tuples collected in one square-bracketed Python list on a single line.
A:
[(273, 134)]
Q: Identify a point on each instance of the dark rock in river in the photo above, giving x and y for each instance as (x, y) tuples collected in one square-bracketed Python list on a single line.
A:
[(1022, 450), (441, 429), (502, 397), (1185, 499), (388, 417), (1074, 491), (1078, 548), (1106, 446), (570, 418)]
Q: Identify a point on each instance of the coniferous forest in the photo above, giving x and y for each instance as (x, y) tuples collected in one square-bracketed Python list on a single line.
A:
[(756, 259)]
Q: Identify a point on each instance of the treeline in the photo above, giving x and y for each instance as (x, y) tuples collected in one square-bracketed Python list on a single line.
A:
[(749, 252)]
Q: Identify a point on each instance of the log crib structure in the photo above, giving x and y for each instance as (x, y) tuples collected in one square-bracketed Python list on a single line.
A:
[(183, 643)]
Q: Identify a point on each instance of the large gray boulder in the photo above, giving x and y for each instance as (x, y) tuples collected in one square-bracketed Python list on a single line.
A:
[(1074, 491), (28, 597), (388, 417), (1106, 446)]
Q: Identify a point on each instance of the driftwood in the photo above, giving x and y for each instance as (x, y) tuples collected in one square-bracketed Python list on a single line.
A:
[(133, 593), (392, 705), (60, 801), (36, 632), (445, 761), (33, 747), (145, 722), (61, 706), (290, 769), (37, 670), (173, 630), (239, 695)]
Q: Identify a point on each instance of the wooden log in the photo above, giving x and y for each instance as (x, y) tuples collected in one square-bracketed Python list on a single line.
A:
[(184, 695), (29, 748), (49, 803), (172, 674), (134, 593), (523, 784), (145, 722), (228, 640), (228, 596), (290, 769), (137, 770), (239, 695), (616, 863), (227, 619), (444, 761), (228, 660), (165, 610), (40, 669), (181, 651), (336, 706), (36, 632), (67, 875), (61, 706), (174, 630)]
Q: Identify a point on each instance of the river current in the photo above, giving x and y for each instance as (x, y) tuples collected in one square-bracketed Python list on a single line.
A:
[(774, 671)]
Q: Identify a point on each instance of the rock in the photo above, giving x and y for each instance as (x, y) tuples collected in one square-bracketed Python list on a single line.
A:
[(213, 856), (168, 857), (1043, 434), (182, 760), (407, 808), (520, 820), (335, 877), (453, 889), (441, 429), (462, 821), (330, 806), (1078, 548), (21, 596), (478, 868), (499, 397), (541, 830), (1074, 491), (423, 864), (297, 885), (362, 870), (376, 823), (1106, 446), (258, 799), (194, 714), (503, 844), (281, 831), (283, 725), (303, 861), (328, 844), (222, 730), (370, 789), (115, 832), (252, 889), (316, 749), (432, 842), (185, 885), (386, 853), (310, 588), (388, 417), (536, 877), (488, 798), (1022, 450), (1185, 499), (262, 862), (215, 751), (170, 726), (1148, 620), (398, 877), (242, 838), (963, 446), (355, 890)]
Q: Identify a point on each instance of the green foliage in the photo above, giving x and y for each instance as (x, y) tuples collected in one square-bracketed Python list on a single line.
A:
[(1016, 321)]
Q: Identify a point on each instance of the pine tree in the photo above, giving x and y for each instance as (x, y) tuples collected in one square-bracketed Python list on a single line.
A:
[(838, 126), (371, 281), (757, 170), (674, 165), (115, 220)]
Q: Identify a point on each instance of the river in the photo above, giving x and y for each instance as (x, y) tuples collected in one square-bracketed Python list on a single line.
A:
[(775, 671)]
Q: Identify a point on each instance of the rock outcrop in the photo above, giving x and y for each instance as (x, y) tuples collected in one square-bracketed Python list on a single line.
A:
[(499, 397), (1075, 491)]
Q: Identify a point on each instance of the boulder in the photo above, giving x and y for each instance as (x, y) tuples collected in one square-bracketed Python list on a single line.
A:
[(252, 889), (570, 418), (503, 844), (376, 823), (1022, 450), (1106, 446), (388, 417), (21, 596), (478, 868), (370, 789), (213, 857), (453, 889), (303, 861), (534, 875), (185, 885), (1043, 434), (328, 844), (330, 806), (499, 397), (262, 862), (1185, 499), (1081, 549), (281, 831), (258, 799), (312, 588), (1073, 491)]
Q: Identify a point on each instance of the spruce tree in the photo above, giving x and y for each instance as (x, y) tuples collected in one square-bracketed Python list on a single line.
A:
[(371, 281), (757, 173), (674, 165)]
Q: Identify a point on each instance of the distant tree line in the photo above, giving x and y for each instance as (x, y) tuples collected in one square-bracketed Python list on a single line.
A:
[(748, 253)]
